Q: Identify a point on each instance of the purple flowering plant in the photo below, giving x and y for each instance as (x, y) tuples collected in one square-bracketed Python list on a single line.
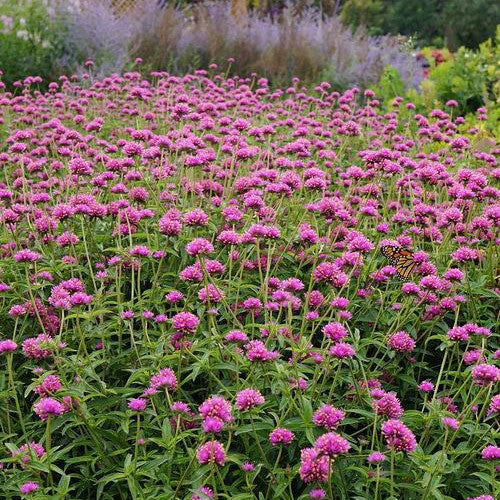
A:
[(195, 305)]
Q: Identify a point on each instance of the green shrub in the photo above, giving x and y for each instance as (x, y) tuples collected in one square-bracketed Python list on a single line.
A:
[(471, 77), (31, 43)]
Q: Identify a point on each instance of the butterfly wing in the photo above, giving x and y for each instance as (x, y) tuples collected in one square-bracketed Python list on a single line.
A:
[(390, 252), (405, 267), (401, 259)]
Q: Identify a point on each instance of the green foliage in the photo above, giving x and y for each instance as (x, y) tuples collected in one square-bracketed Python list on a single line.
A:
[(390, 85), (471, 77), (432, 22), (30, 43)]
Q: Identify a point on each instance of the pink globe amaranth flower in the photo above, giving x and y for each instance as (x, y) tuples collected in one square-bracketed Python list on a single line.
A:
[(471, 357), (494, 405), (174, 296), (217, 407), (7, 346), (257, 351), (426, 386), (388, 405), (210, 294), (169, 226), (334, 331), (491, 452), (34, 347), (205, 491), (185, 322), (313, 466), (182, 407), (450, 423), (342, 350), (331, 273), (211, 452), (249, 398), (248, 466), (332, 444), (27, 256), (49, 407), (299, 383), (481, 497), (328, 417), (229, 237), (127, 315), (196, 217), (317, 493), (28, 487), (376, 457), (199, 246), (165, 378), (212, 425), (464, 254), (458, 334), (50, 384), (26, 451), (484, 374), (236, 336), (401, 342), (398, 436), (280, 435), (137, 404)]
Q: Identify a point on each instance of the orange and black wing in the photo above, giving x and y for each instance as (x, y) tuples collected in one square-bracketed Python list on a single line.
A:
[(401, 259)]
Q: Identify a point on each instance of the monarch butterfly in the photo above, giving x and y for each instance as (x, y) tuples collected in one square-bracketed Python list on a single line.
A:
[(401, 259)]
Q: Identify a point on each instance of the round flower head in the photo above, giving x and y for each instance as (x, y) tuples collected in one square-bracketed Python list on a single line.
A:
[(401, 342), (491, 452), (376, 457), (205, 491), (328, 417), (317, 493), (388, 404), (7, 346), (426, 386), (216, 407), (334, 331), (398, 436), (28, 487), (137, 404), (199, 246), (50, 384), (281, 435), (332, 444), (342, 350), (185, 322), (236, 336), (165, 378), (257, 351), (49, 407), (248, 466), (484, 374), (494, 407), (212, 425), (26, 451), (27, 256), (211, 452), (481, 497), (450, 423), (313, 466), (249, 398)]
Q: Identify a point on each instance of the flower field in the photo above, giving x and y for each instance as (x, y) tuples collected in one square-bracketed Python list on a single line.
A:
[(214, 289)]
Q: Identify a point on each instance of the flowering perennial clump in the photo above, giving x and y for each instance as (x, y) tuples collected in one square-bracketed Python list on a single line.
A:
[(213, 288)]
